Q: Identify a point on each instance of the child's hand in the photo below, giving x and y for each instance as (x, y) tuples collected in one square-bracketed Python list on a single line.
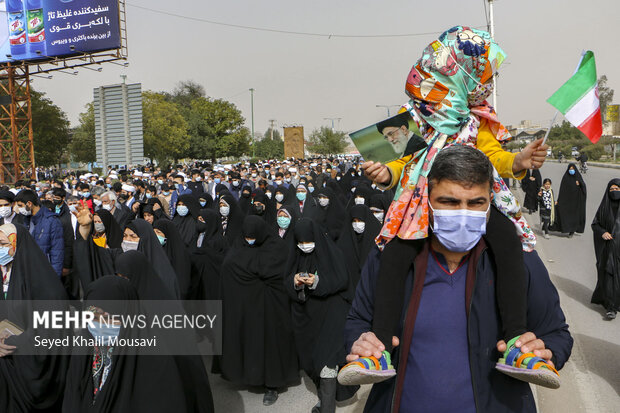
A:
[(531, 157), (377, 172)]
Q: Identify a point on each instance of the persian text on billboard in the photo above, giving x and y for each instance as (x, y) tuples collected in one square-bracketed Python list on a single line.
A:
[(37, 29)]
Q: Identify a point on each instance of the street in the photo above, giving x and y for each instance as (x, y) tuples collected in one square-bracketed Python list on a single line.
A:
[(591, 378)]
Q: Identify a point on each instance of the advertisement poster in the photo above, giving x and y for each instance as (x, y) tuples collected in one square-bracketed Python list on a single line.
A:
[(39, 29), (389, 139)]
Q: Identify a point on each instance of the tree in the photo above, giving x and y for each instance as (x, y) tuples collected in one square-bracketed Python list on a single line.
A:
[(325, 141), (216, 129), (83, 146), (50, 128), (268, 148), (605, 96), (165, 129)]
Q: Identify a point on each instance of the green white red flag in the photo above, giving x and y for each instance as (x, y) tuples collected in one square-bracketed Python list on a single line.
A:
[(578, 101)]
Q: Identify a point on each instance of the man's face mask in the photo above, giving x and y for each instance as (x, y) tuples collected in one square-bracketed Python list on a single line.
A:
[(459, 230)]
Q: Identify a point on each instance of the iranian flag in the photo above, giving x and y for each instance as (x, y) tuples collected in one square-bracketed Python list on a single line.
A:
[(577, 99)]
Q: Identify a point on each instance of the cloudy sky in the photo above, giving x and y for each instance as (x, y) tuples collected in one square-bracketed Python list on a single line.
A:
[(301, 79)]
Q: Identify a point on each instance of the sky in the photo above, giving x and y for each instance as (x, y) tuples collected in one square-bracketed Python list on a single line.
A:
[(301, 80)]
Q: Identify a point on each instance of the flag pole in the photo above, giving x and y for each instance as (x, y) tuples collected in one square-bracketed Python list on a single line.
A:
[(557, 112)]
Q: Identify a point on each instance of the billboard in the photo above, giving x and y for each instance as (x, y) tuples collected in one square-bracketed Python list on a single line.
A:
[(118, 124), (612, 113), (294, 142), (40, 29)]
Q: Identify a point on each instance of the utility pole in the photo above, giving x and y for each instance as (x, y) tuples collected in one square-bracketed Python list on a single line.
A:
[(272, 123), (492, 29), (333, 119), (387, 107), (252, 106)]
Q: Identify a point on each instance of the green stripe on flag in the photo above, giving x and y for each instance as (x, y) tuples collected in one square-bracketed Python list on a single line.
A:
[(577, 86)]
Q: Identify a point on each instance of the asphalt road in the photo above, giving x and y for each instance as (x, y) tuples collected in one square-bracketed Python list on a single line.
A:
[(591, 378)]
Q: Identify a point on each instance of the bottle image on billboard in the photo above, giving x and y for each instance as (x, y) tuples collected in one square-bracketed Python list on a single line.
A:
[(36, 27), (17, 26)]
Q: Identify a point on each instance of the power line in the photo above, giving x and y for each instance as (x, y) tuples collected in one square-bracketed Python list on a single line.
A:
[(270, 30)]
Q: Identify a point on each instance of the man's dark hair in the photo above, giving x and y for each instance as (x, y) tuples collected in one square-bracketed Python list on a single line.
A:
[(151, 188), (84, 185), (402, 119), (462, 164), (26, 195), (59, 192), (117, 186)]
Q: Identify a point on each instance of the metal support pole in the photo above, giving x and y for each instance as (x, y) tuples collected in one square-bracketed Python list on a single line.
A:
[(252, 106), (492, 24)]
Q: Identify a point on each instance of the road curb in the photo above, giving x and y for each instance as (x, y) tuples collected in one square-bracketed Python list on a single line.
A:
[(599, 164)]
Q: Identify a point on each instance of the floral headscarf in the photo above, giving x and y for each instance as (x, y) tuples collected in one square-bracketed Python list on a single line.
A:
[(448, 87), (11, 232)]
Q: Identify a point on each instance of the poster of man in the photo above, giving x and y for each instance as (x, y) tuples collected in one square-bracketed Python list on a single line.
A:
[(389, 139)]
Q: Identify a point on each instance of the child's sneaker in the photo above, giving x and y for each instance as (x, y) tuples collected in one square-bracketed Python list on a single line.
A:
[(367, 370), (527, 367)]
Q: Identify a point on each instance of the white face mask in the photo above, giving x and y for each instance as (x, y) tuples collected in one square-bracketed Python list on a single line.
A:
[(96, 202), (379, 216), (129, 245), (5, 211), (107, 207), (279, 197), (323, 201), (358, 226), (306, 247), (268, 194), (224, 211), (278, 182), (359, 200), (24, 211), (73, 208)]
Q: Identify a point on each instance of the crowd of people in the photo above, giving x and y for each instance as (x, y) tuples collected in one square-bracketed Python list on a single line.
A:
[(281, 243)]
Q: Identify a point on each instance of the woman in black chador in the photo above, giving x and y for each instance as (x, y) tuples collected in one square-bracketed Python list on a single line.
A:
[(531, 185), (571, 209), (258, 346), (317, 280), (606, 230)]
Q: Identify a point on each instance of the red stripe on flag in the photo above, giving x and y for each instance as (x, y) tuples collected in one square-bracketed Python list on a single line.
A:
[(592, 127)]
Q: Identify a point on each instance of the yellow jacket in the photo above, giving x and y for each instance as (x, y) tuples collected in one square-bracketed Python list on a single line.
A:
[(486, 142)]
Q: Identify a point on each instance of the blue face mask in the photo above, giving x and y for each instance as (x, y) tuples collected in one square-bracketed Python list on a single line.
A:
[(182, 210), (160, 181), (85, 194), (203, 203), (459, 230), (162, 240), (166, 193), (149, 196), (250, 241), (284, 222), (301, 196), (58, 209), (104, 334), (177, 186), (217, 180), (5, 258), (311, 189), (571, 171)]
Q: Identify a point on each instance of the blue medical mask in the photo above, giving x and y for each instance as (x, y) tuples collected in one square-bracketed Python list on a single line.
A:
[(571, 171), (58, 209), (250, 241), (182, 210), (104, 333), (148, 196), (217, 180), (459, 230), (85, 194), (311, 189), (166, 193), (284, 222), (301, 196), (160, 181), (203, 203), (162, 240), (5, 257), (177, 186)]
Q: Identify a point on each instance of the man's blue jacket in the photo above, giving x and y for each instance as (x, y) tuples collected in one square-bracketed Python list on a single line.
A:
[(494, 392), (49, 235)]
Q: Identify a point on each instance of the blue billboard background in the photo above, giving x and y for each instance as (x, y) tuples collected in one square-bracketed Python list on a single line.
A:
[(39, 29)]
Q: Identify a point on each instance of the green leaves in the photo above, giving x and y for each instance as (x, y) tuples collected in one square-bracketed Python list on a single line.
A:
[(50, 128), (325, 141), (165, 129), (83, 146)]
